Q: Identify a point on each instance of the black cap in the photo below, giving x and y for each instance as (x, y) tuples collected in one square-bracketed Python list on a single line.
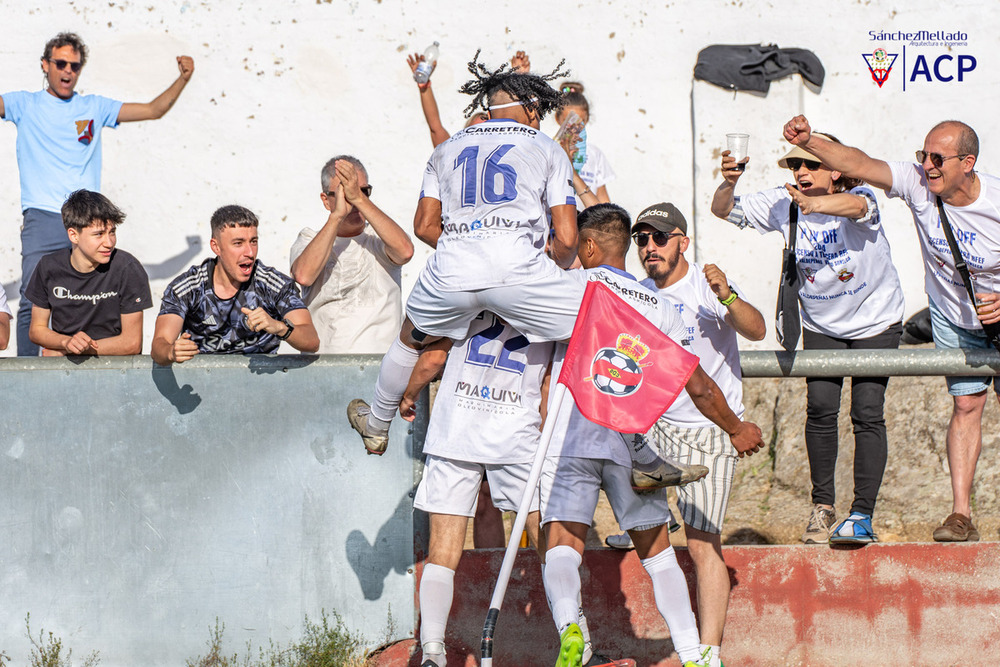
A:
[(664, 217)]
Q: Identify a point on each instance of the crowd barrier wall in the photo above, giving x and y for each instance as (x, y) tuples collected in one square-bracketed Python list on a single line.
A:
[(140, 504)]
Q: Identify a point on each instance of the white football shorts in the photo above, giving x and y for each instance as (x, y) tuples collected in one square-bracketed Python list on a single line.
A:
[(452, 487)]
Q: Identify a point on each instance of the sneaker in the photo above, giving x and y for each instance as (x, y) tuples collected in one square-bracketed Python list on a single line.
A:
[(855, 529), (956, 528), (357, 414), (820, 522), (571, 647), (602, 661), (669, 473), (622, 541)]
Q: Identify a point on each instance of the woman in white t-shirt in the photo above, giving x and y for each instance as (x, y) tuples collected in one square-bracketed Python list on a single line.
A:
[(592, 167), (850, 298)]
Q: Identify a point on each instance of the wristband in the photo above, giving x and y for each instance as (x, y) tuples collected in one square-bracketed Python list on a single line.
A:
[(729, 299)]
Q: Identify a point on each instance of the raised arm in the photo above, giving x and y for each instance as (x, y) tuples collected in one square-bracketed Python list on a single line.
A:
[(398, 245), (428, 104), (849, 161), (131, 111), (742, 316), (723, 200), (309, 264)]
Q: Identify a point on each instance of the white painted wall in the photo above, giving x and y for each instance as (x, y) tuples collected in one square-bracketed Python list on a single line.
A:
[(281, 87)]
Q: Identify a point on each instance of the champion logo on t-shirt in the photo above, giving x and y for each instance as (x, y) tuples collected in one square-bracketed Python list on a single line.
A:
[(64, 293), (85, 131)]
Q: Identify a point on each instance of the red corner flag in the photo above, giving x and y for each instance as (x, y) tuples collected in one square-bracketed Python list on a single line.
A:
[(623, 372)]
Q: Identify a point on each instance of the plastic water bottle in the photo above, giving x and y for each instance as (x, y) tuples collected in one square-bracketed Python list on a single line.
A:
[(423, 73)]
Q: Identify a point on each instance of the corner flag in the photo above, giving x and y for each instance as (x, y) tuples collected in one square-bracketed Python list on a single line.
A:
[(623, 371)]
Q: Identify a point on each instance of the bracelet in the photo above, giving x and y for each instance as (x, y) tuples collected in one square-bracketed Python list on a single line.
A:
[(580, 194), (729, 299)]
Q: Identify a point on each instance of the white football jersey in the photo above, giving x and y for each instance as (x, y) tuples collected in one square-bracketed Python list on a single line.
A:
[(496, 182), (487, 407), (574, 434)]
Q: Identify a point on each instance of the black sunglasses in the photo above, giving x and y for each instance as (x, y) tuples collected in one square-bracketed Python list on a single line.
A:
[(61, 64), (936, 158), (795, 162), (659, 238), (367, 189)]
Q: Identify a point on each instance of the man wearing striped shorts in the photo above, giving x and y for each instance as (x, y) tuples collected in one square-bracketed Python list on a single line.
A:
[(712, 313)]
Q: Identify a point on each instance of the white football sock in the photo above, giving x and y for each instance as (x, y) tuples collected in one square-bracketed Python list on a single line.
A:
[(437, 587), (714, 657), (644, 455), (670, 591), (393, 376), (562, 584)]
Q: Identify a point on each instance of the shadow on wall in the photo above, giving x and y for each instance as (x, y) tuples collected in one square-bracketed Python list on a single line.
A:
[(368, 560)]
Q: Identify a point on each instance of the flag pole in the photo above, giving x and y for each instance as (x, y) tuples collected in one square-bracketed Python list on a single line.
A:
[(500, 590)]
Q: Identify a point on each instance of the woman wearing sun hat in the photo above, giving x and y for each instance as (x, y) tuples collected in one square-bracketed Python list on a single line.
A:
[(850, 298)]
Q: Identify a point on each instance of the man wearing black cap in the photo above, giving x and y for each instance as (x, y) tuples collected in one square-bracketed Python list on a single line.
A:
[(713, 313)]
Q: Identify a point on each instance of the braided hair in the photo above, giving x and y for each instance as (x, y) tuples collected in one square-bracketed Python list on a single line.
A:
[(533, 90)]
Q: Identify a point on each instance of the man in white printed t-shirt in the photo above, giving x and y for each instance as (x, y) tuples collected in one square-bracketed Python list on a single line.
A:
[(350, 269), (712, 313), (487, 196), (584, 457), (946, 170)]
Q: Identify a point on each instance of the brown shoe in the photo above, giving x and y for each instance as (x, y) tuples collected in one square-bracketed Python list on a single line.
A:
[(956, 528)]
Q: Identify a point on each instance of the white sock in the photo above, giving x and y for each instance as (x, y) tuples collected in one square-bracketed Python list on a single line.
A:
[(588, 646), (671, 594), (393, 376), (562, 584), (644, 456), (714, 657), (437, 587)]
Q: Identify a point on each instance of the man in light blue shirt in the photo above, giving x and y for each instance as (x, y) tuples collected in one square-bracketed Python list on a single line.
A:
[(59, 150)]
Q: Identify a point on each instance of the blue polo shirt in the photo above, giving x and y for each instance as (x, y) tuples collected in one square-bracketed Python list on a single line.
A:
[(58, 144)]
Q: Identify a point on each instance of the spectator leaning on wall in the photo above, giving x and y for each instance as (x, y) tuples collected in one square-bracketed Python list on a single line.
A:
[(350, 269), (59, 150), (231, 303), (94, 293)]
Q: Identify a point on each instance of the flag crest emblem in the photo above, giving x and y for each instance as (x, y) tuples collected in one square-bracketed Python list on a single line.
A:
[(617, 371)]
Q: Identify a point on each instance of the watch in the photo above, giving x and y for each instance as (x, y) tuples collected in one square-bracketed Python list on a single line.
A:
[(729, 299), (291, 328)]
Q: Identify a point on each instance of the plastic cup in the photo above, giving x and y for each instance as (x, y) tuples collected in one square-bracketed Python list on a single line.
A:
[(984, 283), (737, 143)]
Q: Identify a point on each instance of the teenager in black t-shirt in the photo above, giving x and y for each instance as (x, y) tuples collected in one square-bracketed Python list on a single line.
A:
[(93, 294)]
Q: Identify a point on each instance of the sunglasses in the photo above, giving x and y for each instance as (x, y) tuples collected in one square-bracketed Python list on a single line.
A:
[(936, 158), (367, 189), (659, 238), (795, 162), (61, 64)]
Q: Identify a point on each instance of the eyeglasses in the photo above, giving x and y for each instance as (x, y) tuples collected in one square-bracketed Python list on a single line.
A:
[(659, 238), (61, 64), (936, 158), (795, 162), (367, 189)]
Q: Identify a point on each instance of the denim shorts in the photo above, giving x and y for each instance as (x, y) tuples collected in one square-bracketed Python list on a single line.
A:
[(948, 336)]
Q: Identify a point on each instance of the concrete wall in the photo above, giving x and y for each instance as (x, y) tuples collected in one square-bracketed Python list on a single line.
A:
[(140, 504), (281, 87), (900, 604)]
